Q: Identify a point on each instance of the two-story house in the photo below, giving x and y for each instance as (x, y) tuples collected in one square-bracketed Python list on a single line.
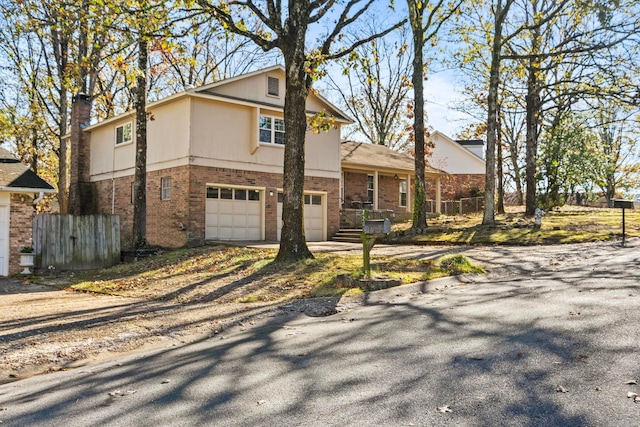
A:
[(214, 164)]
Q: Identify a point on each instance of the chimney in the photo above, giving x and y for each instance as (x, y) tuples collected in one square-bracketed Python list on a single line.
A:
[(80, 194)]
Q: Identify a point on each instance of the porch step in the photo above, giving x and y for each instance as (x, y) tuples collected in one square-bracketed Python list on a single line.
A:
[(348, 235)]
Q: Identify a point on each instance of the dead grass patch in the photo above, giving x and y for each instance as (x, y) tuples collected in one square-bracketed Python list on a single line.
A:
[(222, 274)]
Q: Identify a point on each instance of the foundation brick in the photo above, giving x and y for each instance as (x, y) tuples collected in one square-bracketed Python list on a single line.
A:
[(180, 221), (20, 228)]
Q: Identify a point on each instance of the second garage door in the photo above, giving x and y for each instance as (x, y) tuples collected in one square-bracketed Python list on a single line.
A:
[(313, 217)]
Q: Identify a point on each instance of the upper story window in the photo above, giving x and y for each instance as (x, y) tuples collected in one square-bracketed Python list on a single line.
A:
[(273, 86), (271, 130), (124, 134)]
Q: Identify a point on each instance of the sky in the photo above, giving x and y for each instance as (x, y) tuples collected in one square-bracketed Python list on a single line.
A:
[(441, 94), (443, 89)]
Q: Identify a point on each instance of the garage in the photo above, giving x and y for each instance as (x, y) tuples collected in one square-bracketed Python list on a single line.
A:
[(314, 217), (233, 214)]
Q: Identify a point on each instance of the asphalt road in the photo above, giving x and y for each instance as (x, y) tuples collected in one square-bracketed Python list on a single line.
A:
[(549, 337)]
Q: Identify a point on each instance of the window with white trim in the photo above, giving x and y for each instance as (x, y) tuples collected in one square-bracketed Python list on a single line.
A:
[(233, 194), (370, 188), (165, 188), (124, 134), (271, 130), (403, 192)]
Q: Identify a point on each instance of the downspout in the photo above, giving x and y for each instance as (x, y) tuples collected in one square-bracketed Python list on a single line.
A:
[(40, 196)]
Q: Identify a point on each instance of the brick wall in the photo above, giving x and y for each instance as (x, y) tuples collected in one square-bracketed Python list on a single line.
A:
[(201, 176), (20, 228), (120, 205), (80, 195), (389, 194), (180, 221), (355, 189), (167, 220), (455, 186)]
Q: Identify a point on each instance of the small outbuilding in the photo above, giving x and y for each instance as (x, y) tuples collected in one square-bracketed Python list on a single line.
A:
[(20, 190)]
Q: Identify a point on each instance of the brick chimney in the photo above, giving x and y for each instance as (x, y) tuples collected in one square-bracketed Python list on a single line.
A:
[(80, 189)]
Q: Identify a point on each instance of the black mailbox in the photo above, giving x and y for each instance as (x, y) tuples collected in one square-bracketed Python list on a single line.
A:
[(623, 204)]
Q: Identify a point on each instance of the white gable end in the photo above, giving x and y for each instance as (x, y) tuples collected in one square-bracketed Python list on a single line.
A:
[(451, 157)]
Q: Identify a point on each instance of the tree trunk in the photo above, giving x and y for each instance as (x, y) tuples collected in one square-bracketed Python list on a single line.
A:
[(293, 245), (513, 154), (500, 163), (140, 179), (34, 154), (533, 117), (492, 114), (419, 205)]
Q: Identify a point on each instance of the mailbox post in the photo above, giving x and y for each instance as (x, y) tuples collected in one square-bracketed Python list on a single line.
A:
[(623, 204), (372, 229)]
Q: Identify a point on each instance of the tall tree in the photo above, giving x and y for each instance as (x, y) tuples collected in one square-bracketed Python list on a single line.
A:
[(140, 175), (287, 29), (424, 28), (67, 39), (500, 14), (556, 30), (565, 160), (615, 146), (148, 20), (540, 38)]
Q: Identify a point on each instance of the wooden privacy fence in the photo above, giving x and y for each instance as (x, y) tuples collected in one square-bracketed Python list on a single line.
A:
[(68, 242)]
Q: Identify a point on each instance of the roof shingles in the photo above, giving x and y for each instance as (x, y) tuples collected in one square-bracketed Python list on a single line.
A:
[(378, 157), (14, 174)]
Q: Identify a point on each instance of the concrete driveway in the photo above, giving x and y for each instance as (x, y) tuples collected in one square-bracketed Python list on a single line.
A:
[(549, 337)]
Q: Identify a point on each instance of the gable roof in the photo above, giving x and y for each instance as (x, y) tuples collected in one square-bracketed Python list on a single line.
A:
[(16, 177), (470, 142), (459, 148), (208, 87), (209, 91), (363, 155)]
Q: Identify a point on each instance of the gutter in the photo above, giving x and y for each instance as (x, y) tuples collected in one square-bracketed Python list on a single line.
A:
[(19, 190)]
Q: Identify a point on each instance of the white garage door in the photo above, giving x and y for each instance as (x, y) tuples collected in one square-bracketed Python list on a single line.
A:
[(313, 217), (4, 234), (233, 214)]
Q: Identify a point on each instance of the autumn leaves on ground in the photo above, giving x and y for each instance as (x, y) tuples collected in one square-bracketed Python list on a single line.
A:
[(181, 295), (227, 274)]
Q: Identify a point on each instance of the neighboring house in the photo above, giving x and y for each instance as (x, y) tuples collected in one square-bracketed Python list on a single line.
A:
[(20, 190), (377, 177), (214, 164), (464, 163)]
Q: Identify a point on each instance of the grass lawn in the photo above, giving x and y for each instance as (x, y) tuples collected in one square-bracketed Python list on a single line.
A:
[(236, 274), (566, 225), (223, 274)]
